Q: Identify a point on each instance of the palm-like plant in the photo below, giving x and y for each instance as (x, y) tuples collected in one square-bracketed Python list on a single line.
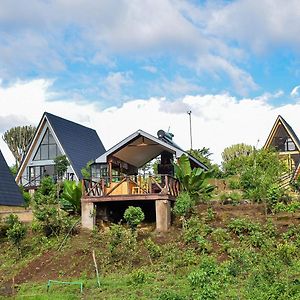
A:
[(193, 181), (70, 198)]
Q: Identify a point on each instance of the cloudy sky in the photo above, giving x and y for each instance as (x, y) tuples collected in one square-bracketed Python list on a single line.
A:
[(118, 66)]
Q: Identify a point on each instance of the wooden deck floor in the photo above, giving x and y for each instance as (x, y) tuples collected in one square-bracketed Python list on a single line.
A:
[(132, 197)]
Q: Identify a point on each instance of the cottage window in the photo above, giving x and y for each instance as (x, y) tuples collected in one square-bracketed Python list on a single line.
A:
[(48, 148), (289, 145)]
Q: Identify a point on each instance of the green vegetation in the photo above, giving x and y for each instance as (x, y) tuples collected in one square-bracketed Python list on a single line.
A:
[(70, 197), (134, 216), (17, 140), (86, 170), (61, 165), (243, 259), (193, 181)]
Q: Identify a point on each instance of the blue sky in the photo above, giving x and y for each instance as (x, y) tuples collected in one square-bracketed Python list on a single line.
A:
[(110, 53)]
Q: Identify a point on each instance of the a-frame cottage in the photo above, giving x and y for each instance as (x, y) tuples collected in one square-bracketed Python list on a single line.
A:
[(283, 139), (10, 194), (56, 136)]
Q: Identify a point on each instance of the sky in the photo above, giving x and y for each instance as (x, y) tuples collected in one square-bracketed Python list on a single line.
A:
[(119, 66)]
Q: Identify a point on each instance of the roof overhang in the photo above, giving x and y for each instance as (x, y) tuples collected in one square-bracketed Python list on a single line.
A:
[(140, 148)]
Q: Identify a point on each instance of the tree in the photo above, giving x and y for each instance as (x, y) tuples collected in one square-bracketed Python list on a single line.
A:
[(235, 157), (16, 231), (61, 165), (203, 155), (194, 182), (260, 172), (86, 170), (134, 216), (46, 209), (17, 140)]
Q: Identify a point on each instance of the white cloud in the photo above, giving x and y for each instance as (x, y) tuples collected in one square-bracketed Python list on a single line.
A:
[(295, 91), (218, 121)]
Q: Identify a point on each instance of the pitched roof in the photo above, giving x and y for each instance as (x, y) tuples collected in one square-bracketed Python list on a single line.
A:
[(10, 193), (128, 150), (81, 144)]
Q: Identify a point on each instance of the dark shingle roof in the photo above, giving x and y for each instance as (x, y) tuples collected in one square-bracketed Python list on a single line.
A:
[(10, 193), (81, 144)]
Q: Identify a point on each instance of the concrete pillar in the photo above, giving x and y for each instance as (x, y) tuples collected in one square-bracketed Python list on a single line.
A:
[(88, 215), (163, 215)]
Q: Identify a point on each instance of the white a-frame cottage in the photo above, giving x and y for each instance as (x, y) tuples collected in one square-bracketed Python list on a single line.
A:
[(56, 136)]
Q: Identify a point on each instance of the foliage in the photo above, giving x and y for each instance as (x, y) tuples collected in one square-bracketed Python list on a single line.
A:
[(154, 250), (234, 158), (121, 242), (134, 216), (203, 155), (17, 140), (183, 205), (16, 234), (193, 181), (26, 196), (86, 170), (15, 231), (234, 183), (70, 198), (290, 207), (47, 211), (61, 165), (230, 197), (274, 194), (263, 168), (13, 170)]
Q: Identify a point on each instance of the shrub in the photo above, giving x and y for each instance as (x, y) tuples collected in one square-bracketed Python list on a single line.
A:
[(154, 250), (274, 194), (134, 216), (47, 211), (234, 183), (183, 205), (139, 277), (170, 295), (241, 226), (121, 242), (231, 197), (16, 234)]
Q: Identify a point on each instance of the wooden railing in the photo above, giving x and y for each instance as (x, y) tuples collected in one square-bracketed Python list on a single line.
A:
[(127, 185)]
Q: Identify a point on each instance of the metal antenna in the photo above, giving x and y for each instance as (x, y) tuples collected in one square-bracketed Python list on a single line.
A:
[(190, 117)]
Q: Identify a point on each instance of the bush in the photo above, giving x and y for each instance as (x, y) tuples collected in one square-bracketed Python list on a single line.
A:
[(183, 205), (234, 183), (47, 211), (231, 198), (134, 216), (170, 295), (16, 234), (154, 250)]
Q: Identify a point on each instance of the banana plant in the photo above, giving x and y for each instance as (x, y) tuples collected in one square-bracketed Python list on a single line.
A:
[(70, 198), (193, 181)]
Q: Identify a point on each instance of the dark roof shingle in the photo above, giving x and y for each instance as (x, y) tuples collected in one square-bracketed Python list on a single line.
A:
[(81, 144), (10, 193)]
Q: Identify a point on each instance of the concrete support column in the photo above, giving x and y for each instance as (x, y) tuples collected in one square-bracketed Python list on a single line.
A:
[(163, 215), (88, 216)]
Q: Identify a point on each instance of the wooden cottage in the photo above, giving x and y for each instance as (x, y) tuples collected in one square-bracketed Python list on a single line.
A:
[(116, 182), (283, 139)]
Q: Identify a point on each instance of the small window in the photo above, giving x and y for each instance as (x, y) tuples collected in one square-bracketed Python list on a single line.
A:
[(289, 145)]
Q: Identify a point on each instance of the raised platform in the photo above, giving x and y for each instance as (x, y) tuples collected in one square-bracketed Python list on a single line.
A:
[(132, 197)]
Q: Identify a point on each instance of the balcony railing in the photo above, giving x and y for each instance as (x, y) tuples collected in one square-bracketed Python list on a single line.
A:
[(131, 185)]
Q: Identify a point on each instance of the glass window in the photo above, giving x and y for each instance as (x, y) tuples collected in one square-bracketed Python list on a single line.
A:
[(44, 152), (48, 148), (52, 151)]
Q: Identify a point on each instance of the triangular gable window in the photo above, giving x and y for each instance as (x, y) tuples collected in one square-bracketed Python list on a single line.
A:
[(48, 149)]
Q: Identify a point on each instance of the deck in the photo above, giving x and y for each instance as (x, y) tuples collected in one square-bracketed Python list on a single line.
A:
[(131, 188)]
